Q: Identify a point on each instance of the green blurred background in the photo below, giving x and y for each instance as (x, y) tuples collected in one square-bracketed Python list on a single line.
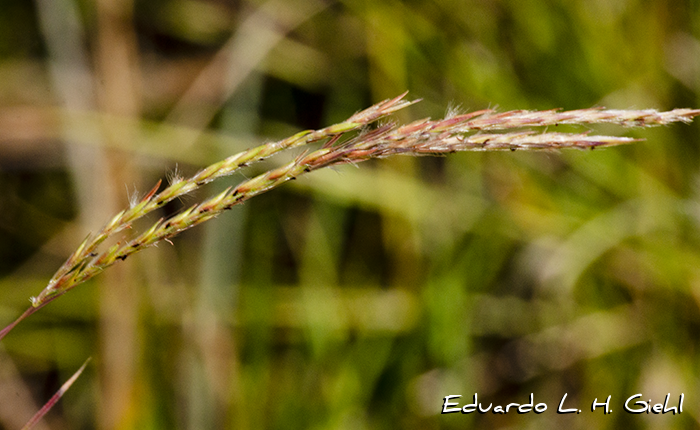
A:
[(351, 298)]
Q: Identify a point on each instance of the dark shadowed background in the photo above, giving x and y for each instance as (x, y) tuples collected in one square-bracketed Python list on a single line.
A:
[(352, 298)]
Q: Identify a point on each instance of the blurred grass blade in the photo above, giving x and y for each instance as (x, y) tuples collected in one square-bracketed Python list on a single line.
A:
[(52, 401)]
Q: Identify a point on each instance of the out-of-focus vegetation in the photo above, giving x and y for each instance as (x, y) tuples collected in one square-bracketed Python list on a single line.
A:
[(352, 298)]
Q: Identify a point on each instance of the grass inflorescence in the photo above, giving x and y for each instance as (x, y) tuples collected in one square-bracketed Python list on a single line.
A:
[(351, 141)]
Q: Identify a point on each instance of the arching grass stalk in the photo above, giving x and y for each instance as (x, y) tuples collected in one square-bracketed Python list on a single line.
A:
[(469, 132)]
